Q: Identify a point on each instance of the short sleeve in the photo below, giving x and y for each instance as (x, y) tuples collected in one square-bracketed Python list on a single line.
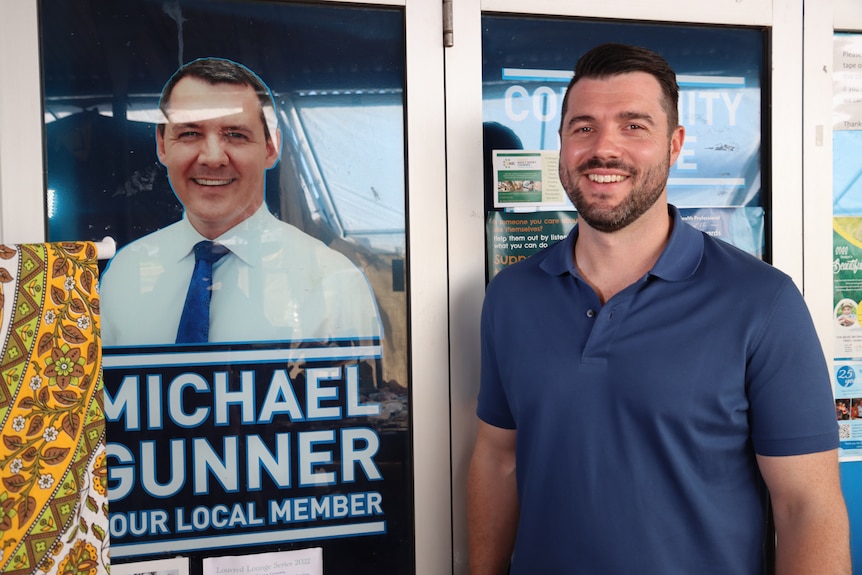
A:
[(789, 386), (493, 407)]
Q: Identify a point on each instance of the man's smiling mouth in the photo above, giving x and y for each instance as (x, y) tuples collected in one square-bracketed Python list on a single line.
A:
[(606, 178), (207, 182)]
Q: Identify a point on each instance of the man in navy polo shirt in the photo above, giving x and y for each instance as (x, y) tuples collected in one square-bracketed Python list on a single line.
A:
[(645, 386)]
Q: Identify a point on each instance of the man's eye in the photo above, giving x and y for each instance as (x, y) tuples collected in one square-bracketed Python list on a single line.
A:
[(187, 134), (236, 136), (635, 127)]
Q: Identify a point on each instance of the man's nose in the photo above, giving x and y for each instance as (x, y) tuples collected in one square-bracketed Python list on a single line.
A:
[(212, 152), (606, 143)]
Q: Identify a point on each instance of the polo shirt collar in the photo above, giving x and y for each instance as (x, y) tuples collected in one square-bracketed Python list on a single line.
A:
[(678, 261), (683, 253)]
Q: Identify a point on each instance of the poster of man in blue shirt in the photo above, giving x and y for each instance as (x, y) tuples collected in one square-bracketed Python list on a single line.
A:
[(272, 282)]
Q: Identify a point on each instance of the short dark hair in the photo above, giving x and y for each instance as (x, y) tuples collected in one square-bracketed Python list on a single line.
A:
[(614, 59), (222, 71)]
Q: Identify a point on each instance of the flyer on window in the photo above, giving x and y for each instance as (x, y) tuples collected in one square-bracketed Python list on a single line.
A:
[(528, 179), (847, 286), (848, 407), (847, 241)]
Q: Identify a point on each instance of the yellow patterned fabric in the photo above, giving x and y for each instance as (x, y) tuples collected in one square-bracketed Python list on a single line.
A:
[(53, 473)]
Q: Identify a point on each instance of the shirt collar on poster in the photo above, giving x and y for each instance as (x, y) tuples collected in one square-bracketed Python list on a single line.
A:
[(243, 240)]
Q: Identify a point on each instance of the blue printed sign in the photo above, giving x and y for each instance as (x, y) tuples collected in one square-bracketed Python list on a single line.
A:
[(251, 446)]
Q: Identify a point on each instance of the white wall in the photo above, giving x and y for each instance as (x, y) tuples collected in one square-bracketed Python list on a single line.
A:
[(21, 181)]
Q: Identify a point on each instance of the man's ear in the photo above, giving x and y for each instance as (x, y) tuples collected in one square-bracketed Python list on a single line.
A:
[(273, 148), (160, 143), (676, 140)]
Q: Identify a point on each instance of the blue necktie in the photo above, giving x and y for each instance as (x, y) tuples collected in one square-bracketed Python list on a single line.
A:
[(195, 321)]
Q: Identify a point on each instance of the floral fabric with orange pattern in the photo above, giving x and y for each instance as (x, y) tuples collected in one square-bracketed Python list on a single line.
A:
[(53, 473)]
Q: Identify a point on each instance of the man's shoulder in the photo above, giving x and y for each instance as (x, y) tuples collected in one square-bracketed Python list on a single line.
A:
[(545, 263), (728, 258), (302, 244), (533, 275), (148, 247), (747, 281), (273, 229)]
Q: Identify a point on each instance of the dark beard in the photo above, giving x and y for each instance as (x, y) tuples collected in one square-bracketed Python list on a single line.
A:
[(636, 204)]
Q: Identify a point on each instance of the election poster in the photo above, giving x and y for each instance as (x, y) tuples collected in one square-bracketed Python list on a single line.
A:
[(255, 447), (254, 317)]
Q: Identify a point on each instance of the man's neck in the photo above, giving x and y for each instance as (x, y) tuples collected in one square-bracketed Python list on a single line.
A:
[(610, 262), (212, 230)]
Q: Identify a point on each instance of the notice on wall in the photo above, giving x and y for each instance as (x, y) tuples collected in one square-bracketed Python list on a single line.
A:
[(847, 82), (847, 286), (513, 237), (299, 562), (848, 407), (528, 179), (172, 566), (847, 241), (847, 332)]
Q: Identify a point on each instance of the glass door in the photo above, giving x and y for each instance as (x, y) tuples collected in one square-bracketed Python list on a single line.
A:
[(729, 64), (267, 443), (718, 180)]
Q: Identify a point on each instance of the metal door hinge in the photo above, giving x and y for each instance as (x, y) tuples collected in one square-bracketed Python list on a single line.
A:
[(448, 30)]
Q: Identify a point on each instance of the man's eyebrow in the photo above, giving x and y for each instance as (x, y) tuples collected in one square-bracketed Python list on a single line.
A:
[(196, 125), (237, 128), (183, 125), (643, 116), (579, 119), (626, 116)]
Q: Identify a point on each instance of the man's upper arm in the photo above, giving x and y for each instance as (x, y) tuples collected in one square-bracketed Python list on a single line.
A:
[(492, 500), (795, 479), (498, 439), (493, 458), (810, 514)]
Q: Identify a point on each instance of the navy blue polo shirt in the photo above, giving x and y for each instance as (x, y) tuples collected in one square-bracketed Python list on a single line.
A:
[(638, 420)]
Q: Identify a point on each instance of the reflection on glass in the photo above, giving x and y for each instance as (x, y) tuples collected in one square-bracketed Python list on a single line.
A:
[(527, 64), (716, 181)]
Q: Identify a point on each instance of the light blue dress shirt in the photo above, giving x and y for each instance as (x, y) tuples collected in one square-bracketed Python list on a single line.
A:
[(277, 284)]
